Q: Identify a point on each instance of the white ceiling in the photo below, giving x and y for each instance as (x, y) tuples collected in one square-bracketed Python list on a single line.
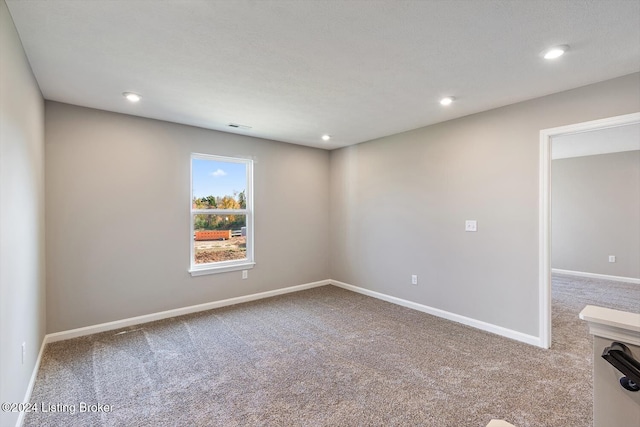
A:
[(294, 70), (601, 141)]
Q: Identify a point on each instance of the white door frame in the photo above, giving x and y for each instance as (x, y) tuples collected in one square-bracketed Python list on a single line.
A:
[(544, 253)]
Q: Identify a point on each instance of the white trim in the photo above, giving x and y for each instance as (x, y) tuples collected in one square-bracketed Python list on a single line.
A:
[(206, 156), (251, 213), (32, 381), (544, 245), (88, 330), (597, 276), (216, 268), (219, 212), (478, 324), (612, 324)]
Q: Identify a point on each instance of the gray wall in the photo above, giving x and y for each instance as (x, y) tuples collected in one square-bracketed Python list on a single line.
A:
[(22, 286), (117, 198), (596, 213), (398, 206)]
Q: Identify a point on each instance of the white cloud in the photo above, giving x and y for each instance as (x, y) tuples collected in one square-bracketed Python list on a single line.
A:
[(219, 172)]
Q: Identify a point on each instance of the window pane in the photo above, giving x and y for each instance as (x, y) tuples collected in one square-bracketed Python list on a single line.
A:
[(219, 238), (218, 184)]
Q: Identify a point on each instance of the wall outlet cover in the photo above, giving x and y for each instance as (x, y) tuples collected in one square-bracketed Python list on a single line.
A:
[(471, 225)]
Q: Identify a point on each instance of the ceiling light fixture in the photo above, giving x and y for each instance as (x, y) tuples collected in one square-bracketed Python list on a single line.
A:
[(555, 52), (447, 100), (132, 97), (326, 137)]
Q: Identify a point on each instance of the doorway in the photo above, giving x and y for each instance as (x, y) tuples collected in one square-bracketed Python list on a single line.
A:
[(546, 138)]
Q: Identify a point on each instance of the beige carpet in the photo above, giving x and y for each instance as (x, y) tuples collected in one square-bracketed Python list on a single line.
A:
[(327, 357)]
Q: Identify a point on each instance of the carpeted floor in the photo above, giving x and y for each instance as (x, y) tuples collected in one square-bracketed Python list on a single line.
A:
[(327, 357)]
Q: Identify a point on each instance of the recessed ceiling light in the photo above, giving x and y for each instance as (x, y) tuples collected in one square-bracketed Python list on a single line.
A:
[(447, 100), (555, 52), (132, 97), (326, 137)]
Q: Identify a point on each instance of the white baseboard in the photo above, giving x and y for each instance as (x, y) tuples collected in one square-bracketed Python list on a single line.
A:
[(478, 324), (88, 330), (32, 381), (596, 276)]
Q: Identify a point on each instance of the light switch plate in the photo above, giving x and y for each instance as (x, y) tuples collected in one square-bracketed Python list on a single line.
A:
[(471, 225)]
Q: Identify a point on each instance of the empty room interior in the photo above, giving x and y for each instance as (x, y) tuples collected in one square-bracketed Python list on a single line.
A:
[(320, 213)]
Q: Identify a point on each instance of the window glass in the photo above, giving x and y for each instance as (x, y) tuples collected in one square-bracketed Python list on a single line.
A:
[(221, 214)]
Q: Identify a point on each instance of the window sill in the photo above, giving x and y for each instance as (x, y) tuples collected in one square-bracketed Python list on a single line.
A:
[(246, 265)]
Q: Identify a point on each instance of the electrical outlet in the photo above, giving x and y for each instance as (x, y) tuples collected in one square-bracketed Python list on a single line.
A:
[(471, 225), (24, 351), (245, 274), (414, 279), (612, 258)]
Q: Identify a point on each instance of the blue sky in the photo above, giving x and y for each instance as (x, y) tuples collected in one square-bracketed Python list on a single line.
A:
[(212, 178)]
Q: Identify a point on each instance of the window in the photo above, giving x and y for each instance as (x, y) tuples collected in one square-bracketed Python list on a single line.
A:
[(221, 214)]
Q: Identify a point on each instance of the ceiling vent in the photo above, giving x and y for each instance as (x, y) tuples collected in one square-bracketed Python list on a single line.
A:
[(237, 126)]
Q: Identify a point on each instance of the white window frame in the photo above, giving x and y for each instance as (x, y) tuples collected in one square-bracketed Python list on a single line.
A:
[(223, 266)]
